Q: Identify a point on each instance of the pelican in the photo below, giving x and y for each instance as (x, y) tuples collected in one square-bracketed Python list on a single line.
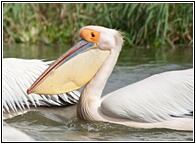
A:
[(161, 101), (12, 134), (17, 76)]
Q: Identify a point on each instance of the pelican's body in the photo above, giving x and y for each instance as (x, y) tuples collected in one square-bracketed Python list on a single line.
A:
[(17, 76), (160, 101), (167, 104)]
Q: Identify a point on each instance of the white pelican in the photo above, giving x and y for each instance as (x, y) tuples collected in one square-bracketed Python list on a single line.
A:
[(17, 76), (12, 134), (161, 101)]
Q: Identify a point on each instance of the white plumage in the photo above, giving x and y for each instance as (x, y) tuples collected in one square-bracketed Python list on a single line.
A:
[(157, 98), (11, 134), (17, 77)]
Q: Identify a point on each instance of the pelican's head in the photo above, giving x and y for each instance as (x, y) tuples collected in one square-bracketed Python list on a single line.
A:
[(105, 38), (79, 64)]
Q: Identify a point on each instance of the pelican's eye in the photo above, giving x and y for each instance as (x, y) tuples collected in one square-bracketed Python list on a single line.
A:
[(90, 35)]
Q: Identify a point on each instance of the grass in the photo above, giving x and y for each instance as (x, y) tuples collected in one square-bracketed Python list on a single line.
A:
[(142, 24)]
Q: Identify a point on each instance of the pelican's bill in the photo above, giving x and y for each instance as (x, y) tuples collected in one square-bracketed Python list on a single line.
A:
[(73, 72)]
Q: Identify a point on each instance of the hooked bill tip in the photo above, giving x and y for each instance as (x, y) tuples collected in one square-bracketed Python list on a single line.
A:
[(28, 91)]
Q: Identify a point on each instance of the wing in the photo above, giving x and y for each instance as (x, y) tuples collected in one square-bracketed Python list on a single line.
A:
[(157, 98), (17, 77)]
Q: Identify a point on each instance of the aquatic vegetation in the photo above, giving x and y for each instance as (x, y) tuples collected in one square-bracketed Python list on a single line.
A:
[(143, 24)]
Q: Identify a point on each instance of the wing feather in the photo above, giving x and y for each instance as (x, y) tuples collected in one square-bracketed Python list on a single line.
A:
[(157, 98), (17, 77)]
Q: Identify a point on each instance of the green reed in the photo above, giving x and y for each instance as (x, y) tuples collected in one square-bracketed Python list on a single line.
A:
[(143, 24)]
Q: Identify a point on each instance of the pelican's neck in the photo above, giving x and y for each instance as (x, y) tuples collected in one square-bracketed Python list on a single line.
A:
[(90, 98), (97, 84)]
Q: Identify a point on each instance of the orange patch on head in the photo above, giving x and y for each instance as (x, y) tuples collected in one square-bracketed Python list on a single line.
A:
[(90, 35)]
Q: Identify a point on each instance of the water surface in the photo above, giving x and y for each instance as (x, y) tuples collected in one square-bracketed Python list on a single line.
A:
[(134, 64)]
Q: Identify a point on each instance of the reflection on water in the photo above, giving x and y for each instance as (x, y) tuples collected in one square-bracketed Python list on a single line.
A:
[(61, 124), (44, 128), (128, 56), (48, 52)]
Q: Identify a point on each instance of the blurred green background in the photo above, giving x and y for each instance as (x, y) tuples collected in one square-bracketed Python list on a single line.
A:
[(143, 24)]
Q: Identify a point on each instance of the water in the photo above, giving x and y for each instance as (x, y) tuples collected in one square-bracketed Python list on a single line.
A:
[(61, 124)]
